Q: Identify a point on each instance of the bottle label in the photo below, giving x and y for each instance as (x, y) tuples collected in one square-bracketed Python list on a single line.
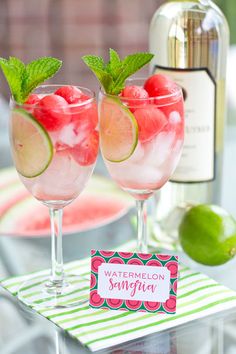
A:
[(197, 162)]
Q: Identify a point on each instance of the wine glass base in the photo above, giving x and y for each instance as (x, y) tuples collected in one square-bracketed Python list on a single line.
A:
[(41, 292)]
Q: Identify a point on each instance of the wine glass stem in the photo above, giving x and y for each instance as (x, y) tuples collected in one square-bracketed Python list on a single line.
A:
[(57, 271), (142, 227)]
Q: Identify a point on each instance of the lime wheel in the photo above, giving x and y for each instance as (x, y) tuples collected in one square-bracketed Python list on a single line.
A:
[(118, 130), (32, 147)]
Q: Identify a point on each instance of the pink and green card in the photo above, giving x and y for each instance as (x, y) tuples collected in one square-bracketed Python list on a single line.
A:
[(131, 281)]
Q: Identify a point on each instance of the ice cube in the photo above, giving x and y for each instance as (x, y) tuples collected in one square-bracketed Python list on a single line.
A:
[(159, 149), (134, 173), (64, 178), (68, 136), (137, 154), (148, 174), (174, 117), (120, 168)]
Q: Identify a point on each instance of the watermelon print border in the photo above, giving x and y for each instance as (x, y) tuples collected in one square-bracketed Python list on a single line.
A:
[(143, 259)]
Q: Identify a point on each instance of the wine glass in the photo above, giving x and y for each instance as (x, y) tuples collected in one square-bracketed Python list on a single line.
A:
[(54, 147), (141, 141)]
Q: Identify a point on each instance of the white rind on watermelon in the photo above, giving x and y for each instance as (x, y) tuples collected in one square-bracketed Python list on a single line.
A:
[(32, 147), (8, 176), (10, 195)]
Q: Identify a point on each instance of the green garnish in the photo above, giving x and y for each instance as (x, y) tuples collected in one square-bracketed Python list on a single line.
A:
[(23, 79), (112, 75)]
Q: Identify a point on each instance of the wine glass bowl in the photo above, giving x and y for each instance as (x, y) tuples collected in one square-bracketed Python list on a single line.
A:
[(65, 176), (54, 147), (143, 154)]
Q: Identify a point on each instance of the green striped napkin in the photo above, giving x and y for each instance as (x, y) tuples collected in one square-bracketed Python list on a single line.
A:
[(198, 296)]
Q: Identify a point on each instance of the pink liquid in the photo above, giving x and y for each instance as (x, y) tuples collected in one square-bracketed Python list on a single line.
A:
[(75, 149), (61, 182)]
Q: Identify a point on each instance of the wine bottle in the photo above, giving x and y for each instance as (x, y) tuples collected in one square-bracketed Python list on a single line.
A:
[(190, 42)]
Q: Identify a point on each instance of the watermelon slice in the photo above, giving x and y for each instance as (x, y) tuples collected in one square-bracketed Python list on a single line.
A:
[(8, 176), (21, 215)]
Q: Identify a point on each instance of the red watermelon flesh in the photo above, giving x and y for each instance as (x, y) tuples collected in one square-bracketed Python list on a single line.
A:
[(87, 212), (21, 215)]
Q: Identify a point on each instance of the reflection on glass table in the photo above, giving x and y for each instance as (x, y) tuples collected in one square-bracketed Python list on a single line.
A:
[(29, 333)]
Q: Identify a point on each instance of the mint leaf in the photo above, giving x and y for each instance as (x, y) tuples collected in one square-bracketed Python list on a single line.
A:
[(130, 65), (94, 61), (96, 64), (14, 77), (114, 58), (115, 65), (17, 63), (113, 75), (39, 71), (104, 78), (23, 79)]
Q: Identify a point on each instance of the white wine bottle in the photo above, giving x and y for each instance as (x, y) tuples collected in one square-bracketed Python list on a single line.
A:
[(190, 42)]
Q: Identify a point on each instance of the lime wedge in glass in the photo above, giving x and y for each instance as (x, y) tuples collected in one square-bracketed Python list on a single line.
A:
[(118, 130), (31, 144)]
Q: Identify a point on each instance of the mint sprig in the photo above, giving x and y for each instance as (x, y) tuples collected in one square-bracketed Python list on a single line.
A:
[(112, 76), (23, 79)]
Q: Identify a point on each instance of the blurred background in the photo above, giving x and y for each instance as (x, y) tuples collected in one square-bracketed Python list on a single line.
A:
[(69, 29)]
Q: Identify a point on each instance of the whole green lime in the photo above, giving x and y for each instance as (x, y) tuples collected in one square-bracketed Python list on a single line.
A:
[(207, 234)]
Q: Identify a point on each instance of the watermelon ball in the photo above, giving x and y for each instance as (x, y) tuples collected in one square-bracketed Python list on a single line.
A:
[(171, 103), (150, 121), (32, 99), (168, 101), (85, 153), (156, 84), (52, 112), (71, 94), (136, 92)]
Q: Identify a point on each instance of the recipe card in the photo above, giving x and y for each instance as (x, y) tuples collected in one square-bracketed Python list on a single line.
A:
[(133, 281)]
